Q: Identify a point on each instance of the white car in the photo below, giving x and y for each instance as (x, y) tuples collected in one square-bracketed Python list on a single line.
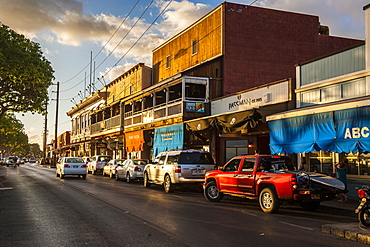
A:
[(97, 163), (131, 169), (71, 166), (178, 167), (110, 167)]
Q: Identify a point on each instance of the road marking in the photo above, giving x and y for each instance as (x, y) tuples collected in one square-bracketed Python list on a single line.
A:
[(6, 188), (307, 228)]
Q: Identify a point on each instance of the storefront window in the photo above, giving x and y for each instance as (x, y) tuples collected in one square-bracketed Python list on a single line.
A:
[(321, 161), (358, 164), (235, 148)]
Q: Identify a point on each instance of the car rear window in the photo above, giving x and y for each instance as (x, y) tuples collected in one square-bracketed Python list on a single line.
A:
[(74, 160), (104, 158), (279, 164), (196, 158), (140, 162)]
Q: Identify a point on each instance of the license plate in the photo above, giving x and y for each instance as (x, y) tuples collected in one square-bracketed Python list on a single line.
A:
[(198, 172), (75, 166), (315, 196)]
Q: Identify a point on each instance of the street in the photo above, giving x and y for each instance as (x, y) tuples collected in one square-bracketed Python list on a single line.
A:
[(39, 209)]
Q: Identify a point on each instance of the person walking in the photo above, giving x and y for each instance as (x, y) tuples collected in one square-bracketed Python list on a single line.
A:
[(341, 170)]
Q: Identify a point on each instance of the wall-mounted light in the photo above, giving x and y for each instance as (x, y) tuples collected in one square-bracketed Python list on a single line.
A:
[(250, 145)]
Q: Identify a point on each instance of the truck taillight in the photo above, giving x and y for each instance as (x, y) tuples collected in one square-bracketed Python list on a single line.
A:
[(138, 169), (293, 181), (83, 166), (66, 165), (178, 169)]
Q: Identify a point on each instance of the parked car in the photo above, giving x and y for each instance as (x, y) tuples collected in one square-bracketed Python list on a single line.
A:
[(131, 169), (272, 180), (86, 160), (178, 167), (71, 166), (110, 167), (12, 161), (97, 163)]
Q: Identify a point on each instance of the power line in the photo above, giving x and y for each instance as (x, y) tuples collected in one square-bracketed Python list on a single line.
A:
[(114, 33)]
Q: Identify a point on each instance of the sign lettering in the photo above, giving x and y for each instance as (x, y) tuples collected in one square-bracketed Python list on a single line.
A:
[(356, 133)]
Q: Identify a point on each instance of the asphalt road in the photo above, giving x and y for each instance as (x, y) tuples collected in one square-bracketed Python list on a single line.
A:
[(39, 209)]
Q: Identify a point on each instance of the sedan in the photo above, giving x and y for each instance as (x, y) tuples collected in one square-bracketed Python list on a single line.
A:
[(71, 166), (131, 169), (110, 167)]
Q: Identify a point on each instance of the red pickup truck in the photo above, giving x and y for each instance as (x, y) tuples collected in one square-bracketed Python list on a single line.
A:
[(272, 180)]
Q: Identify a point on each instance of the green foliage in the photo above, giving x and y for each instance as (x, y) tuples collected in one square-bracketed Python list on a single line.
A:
[(13, 138), (34, 149), (25, 74)]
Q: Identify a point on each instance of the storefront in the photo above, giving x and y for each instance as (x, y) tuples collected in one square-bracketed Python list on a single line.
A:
[(169, 137), (323, 136), (134, 144), (237, 124)]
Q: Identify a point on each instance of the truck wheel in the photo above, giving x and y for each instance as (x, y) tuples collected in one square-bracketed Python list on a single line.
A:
[(268, 200), (167, 185), (211, 192), (146, 180)]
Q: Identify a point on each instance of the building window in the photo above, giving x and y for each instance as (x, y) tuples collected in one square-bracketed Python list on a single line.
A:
[(168, 62), (322, 161), (345, 90), (354, 88), (235, 148), (194, 47)]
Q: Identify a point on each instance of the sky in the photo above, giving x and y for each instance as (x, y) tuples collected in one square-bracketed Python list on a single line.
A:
[(118, 34)]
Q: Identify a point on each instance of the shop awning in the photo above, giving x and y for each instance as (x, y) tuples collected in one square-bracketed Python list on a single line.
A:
[(337, 131), (169, 137), (227, 123), (134, 141)]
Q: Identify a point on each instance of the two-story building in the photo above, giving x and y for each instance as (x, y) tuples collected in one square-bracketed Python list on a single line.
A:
[(231, 49), (332, 122)]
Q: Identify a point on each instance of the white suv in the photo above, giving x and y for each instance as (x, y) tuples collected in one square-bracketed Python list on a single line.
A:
[(97, 163), (176, 167)]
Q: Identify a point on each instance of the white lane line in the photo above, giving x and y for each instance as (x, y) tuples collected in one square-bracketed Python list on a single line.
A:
[(307, 228), (6, 188)]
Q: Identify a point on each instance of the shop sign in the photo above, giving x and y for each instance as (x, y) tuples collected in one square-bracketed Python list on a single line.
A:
[(263, 96), (356, 133), (195, 107)]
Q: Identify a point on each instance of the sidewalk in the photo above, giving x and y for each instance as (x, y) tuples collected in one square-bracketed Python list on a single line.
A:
[(353, 231)]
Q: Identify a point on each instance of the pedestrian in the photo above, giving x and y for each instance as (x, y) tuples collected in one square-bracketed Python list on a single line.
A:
[(341, 170)]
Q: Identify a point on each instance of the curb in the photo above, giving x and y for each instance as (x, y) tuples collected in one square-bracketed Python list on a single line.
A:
[(351, 231)]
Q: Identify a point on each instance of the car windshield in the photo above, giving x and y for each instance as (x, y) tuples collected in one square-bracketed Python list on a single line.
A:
[(195, 158), (74, 160)]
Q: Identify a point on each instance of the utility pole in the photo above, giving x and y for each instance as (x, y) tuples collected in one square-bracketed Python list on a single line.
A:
[(56, 128), (45, 135)]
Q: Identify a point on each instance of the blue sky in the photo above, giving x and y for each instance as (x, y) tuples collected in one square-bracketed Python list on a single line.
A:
[(69, 30)]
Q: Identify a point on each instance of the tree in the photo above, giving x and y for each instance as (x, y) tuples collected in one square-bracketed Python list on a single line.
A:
[(13, 138), (34, 149), (25, 74)]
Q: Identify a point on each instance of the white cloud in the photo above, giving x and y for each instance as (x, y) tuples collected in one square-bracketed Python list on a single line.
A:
[(179, 15), (344, 18)]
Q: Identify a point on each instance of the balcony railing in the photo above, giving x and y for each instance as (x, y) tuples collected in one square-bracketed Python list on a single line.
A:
[(160, 112)]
